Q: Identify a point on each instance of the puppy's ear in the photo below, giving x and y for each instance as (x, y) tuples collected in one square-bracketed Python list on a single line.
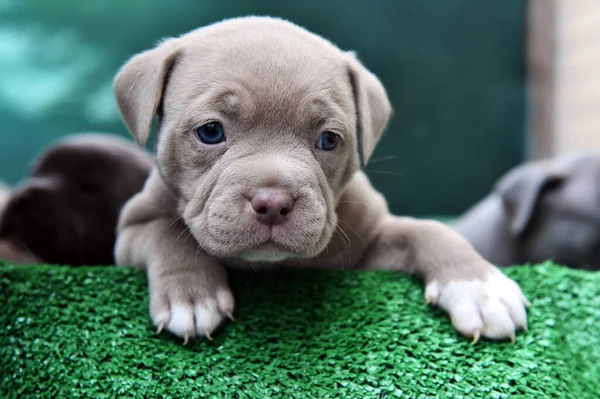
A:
[(521, 190), (139, 87), (372, 105)]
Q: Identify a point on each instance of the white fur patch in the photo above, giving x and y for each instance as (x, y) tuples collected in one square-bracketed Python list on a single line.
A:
[(432, 292), (182, 320), (225, 301), (493, 308), (208, 318), (188, 321), (162, 318)]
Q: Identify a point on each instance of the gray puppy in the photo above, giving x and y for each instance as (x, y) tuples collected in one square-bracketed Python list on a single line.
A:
[(260, 124), (66, 211), (539, 211)]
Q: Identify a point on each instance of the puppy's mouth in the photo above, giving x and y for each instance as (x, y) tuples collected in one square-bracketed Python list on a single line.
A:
[(268, 251), (268, 225), (269, 244)]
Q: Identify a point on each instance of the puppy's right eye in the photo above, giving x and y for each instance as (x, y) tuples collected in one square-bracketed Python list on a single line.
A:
[(328, 141), (210, 133)]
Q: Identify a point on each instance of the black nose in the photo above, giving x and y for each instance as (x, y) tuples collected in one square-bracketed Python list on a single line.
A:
[(272, 206)]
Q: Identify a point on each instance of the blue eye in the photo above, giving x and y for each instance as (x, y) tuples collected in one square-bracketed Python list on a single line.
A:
[(211, 133), (328, 141)]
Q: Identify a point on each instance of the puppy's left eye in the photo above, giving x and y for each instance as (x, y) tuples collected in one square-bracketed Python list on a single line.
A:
[(211, 133), (328, 141)]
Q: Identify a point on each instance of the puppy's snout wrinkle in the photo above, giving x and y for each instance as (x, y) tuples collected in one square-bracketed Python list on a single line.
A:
[(272, 206)]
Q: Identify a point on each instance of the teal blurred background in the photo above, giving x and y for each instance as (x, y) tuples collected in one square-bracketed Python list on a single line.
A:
[(454, 70)]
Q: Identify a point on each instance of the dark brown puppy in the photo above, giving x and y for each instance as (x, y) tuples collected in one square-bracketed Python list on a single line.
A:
[(66, 211)]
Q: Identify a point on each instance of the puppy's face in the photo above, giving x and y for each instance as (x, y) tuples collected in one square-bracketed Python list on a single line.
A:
[(258, 158), (258, 135), (66, 211)]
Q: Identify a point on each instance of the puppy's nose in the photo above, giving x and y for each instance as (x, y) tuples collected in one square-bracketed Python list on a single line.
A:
[(272, 206)]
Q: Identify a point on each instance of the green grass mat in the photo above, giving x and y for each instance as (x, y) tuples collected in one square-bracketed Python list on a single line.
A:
[(75, 333)]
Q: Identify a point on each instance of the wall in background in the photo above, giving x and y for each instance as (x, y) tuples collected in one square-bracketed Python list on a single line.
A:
[(454, 70), (564, 59), (578, 80)]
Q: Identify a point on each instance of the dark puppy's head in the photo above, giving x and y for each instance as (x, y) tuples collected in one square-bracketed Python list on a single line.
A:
[(66, 211), (554, 210), (259, 121)]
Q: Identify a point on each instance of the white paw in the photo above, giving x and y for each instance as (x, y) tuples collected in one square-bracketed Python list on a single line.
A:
[(195, 314), (493, 307)]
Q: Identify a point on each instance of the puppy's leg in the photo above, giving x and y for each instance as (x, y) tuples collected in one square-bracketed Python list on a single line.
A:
[(189, 294), (12, 253), (480, 299)]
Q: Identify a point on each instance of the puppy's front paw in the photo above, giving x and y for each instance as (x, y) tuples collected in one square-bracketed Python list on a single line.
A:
[(493, 307), (189, 306)]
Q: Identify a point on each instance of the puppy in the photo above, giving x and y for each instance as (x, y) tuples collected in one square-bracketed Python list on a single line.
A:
[(260, 128), (8, 251), (66, 212), (538, 211)]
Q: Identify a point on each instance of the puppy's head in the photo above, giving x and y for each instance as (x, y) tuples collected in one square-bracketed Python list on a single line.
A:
[(260, 125), (66, 211), (553, 209)]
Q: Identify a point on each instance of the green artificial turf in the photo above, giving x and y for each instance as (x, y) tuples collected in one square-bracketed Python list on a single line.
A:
[(75, 333)]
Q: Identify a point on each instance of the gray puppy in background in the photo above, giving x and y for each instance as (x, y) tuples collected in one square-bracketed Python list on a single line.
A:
[(66, 211), (262, 126), (544, 210)]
